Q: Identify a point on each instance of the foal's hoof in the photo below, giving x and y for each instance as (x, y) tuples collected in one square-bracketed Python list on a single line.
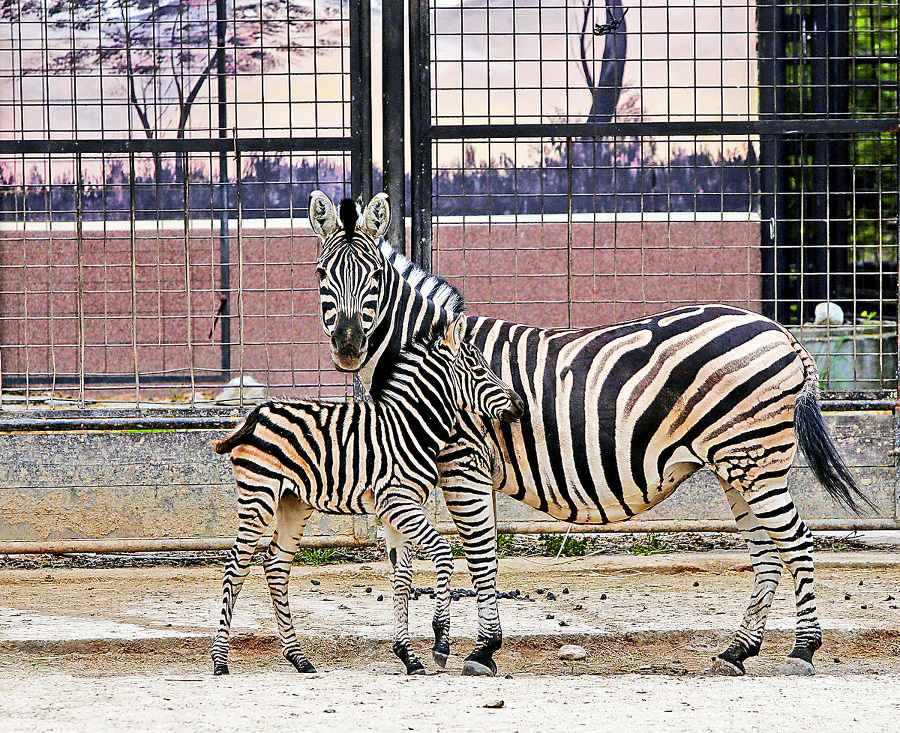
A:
[(797, 667), (440, 658), (471, 668), (414, 666), (220, 668), (726, 668), (302, 665)]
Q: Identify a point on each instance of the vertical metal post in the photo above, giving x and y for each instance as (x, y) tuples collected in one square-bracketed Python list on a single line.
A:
[(770, 71), (361, 98), (224, 251), (420, 132), (394, 118)]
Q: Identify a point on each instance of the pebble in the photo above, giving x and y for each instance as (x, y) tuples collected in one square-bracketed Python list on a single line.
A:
[(565, 591), (550, 615), (551, 597), (369, 589), (316, 582), (571, 651), (563, 623), (603, 596), (380, 598), (696, 583), (493, 704), (578, 606)]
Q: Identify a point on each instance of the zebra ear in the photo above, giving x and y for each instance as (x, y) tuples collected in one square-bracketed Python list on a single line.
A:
[(454, 336), (322, 215), (377, 216)]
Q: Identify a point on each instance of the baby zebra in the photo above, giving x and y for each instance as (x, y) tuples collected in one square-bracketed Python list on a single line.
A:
[(379, 457)]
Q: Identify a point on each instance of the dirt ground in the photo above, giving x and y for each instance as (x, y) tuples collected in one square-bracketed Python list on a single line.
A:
[(127, 649)]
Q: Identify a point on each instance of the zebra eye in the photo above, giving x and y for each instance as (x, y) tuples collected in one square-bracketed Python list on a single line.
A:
[(320, 273), (376, 275)]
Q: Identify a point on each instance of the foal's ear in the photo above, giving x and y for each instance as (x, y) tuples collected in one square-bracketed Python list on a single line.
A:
[(322, 215), (453, 338), (377, 216)]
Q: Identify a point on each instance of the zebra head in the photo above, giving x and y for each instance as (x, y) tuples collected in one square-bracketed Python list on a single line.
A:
[(480, 389), (349, 269)]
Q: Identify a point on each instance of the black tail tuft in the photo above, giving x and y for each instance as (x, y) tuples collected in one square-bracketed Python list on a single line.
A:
[(822, 454), (229, 442)]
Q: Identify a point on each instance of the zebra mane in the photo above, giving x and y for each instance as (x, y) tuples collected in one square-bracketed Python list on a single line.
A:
[(434, 288), (411, 356)]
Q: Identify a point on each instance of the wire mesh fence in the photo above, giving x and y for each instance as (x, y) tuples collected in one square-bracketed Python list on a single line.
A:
[(574, 163), (601, 161)]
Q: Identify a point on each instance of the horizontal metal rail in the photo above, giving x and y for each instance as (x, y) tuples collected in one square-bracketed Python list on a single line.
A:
[(664, 128), (154, 544), (174, 145), (110, 424), (106, 423), (193, 544)]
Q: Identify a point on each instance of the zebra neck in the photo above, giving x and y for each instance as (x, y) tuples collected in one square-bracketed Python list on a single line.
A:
[(407, 316), (425, 415)]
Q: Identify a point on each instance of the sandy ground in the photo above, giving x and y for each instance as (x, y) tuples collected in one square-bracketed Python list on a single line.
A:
[(126, 649)]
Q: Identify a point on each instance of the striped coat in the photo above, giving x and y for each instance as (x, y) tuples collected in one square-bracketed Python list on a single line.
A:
[(615, 419)]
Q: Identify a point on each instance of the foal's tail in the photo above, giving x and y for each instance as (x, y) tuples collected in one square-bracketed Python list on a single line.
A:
[(229, 442)]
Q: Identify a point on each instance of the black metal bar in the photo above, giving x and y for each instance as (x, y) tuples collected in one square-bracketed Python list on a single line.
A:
[(192, 422), (224, 311), (174, 145), (361, 98), (394, 118), (51, 381), (795, 126), (420, 143)]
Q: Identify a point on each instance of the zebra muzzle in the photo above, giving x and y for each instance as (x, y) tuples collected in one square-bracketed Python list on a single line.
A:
[(516, 410)]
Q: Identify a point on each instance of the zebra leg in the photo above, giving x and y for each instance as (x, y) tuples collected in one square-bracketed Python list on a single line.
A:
[(468, 494), (290, 521), (400, 555), (408, 518), (774, 511), (767, 572), (255, 510)]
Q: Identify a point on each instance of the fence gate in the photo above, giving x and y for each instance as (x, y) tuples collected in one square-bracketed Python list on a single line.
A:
[(156, 161)]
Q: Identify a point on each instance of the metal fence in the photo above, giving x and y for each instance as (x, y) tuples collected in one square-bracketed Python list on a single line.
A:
[(565, 162)]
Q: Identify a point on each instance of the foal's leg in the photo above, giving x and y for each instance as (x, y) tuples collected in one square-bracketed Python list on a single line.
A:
[(409, 519), (468, 493), (256, 504), (400, 555), (290, 521)]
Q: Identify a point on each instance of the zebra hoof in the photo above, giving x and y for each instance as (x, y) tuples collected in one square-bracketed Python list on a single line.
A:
[(725, 668), (220, 668), (303, 665), (471, 668), (797, 668), (440, 658), (414, 666)]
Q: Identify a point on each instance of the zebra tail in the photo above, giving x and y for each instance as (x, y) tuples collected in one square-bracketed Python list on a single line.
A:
[(229, 442), (817, 444)]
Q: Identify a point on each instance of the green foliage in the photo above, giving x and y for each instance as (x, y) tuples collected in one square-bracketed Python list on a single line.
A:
[(550, 544), (506, 543), (652, 545), (317, 556)]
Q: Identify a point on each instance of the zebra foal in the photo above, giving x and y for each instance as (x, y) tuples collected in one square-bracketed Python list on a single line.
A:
[(380, 457), (615, 419)]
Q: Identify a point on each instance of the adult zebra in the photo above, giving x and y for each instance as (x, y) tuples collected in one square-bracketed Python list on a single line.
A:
[(380, 457), (616, 418)]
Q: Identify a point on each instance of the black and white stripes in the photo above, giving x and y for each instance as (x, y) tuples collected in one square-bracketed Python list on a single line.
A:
[(616, 418), (290, 458)]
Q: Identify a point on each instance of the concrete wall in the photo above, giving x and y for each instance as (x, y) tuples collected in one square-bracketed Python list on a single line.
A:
[(171, 485)]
